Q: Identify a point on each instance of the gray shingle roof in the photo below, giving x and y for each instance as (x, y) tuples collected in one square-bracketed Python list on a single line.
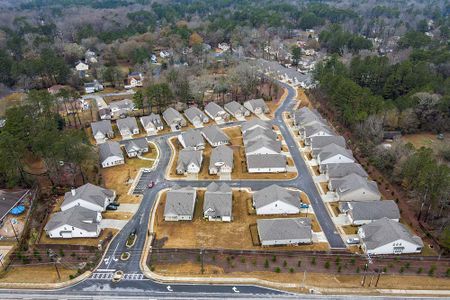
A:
[(221, 154), (234, 107), (305, 115), (171, 115), (109, 149), (374, 210), (180, 201), (274, 146), (275, 193), (186, 157), (218, 200), (89, 193), (255, 123), (284, 229), (263, 161), (136, 145), (385, 231), (103, 126), (153, 119), (125, 104), (353, 182), (193, 112), (213, 134), (318, 142), (192, 138), (342, 170), (316, 128), (78, 217), (127, 124), (257, 103), (213, 109), (332, 150), (259, 133)]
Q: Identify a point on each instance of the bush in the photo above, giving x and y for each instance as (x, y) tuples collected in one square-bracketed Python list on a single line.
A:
[(402, 269), (407, 265), (339, 269), (277, 270), (338, 260), (291, 270), (352, 261), (299, 263), (254, 262), (357, 269), (198, 257), (447, 273), (152, 268), (431, 270), (243, 260), (384, 269), (313, 261), (327, 265), (285, 264), (71, 277), (274, 258), (213, 258), (266, 263), (419, 270)]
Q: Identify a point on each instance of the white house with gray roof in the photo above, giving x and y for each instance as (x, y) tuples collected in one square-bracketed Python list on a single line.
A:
[(196, 116), (334, 154), (221, 160), (102, 131), (318, 142), (276, 200), (88, 196), (259, 134), (385, 236), (192, 140), (362, 212), (255, 123), (174, 119), (307, 132), (305, 116), (180, 204), (110, 154), (215, 136), (136, 147), (127, 127), (354, 188), (266, 163), (285, 231), (75, 222), (217, 113), (334, 171), (257, 106), (236, 110), (218, 202), (121, 108), (189, 161), (152, 124)]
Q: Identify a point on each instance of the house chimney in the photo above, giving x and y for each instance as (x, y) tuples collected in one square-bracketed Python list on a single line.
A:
[(73, 192)]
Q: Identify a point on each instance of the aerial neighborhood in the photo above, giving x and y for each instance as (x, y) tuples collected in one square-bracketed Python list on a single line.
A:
[(224, 149)]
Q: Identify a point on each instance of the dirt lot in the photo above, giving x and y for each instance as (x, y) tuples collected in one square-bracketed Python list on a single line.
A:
[(239, 167), (37, 274), (117, 178), (428, 140), (204, 234)]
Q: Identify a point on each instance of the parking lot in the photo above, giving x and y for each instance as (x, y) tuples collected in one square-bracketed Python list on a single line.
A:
[(144, 179)]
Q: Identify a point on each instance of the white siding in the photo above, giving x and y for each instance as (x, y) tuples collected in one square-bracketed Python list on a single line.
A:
[(277, 208)]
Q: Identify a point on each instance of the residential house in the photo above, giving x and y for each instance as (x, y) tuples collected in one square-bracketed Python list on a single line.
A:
[(218, 202), (92, 87), (221, 160), (305, 116), (152, 124), (307, 132), (259, 134), (266, 163), (254, 124), (90, 57), (76, 222), (127, 127), (189, 161), (89, 196), (174, 119), (105, 113), (286, 231), (334, 171), (354, 188), (196, 116), (262, 146), (387, 236), (318, 142), (236, 110), (192, 140), (81, 67), (361, 212), (165, 53), (215, 136), (110, 154), (257, 106), (217, 113), (180, 204), (102, 130), (334, 154), (121, 108), (136, 147), (134, 79), (223, 46), (276, 200)]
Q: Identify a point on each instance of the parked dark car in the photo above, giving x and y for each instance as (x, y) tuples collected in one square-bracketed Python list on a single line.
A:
[(111, 207)]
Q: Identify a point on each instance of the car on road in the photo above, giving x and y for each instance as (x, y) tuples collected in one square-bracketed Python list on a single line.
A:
[(304, 205), (118, 275), (146, 170), (151, 184), (352, 241), (112, 207)]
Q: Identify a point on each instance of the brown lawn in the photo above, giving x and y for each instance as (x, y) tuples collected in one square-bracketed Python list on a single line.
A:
[(324, 186), (349, 229), (334, 208), (427, 139), (201, 233), (36, 274)]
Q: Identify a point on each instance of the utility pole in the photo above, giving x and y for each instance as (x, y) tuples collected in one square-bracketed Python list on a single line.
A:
[(14, 230), (378, 278), (364, 276), (57, 271)]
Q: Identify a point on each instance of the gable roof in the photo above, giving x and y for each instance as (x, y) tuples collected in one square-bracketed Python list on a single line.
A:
[(305, 115), (255, 123), (316, 128), (274, 146), (180, 201), (151, 119), (193, 112), (385, 231), (374, 210), (128, 123), (214, 134), (218, 200), (170, 115), (263, 161), (221, 154), (103, 126), (234, 107), (318, 142), (332, 150), (257, 103), (78, 217), (122, 104), (275, 193), (213, 109), (353, 182), (89, 193), (284, 229), (259, 133), (342, 170), (187, 157), (136, 145), (192, 138), (109, 149)]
